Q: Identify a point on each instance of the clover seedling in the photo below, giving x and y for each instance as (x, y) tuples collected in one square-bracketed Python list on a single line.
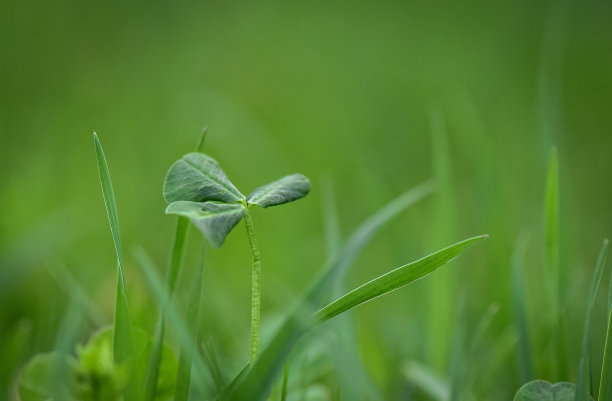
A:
[(196, 187)]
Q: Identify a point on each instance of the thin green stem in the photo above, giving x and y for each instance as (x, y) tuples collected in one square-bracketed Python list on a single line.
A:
[(255, 287)]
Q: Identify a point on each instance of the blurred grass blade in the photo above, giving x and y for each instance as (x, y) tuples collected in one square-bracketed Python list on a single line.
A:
[(177, 323), (558, 354), (183, 376), (605, 384), (524, 359), (584, 370), (421, 377), (213, 363), (122, 331), (201, 140), (395, 279), (458, 355), (283, 396), (255, 384), (331, 224)]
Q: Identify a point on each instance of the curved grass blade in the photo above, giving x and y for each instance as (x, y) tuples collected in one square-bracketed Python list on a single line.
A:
[(523, 350), (256, 382), (426, 380), (183, 376), (584, 370), (283, 190), (198, 177), (396, 279), (122, 332)]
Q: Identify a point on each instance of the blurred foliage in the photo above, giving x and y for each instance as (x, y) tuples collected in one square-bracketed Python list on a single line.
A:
[(348, 92)]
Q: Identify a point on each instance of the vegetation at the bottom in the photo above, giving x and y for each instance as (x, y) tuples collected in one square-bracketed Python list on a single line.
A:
[(124, 362)]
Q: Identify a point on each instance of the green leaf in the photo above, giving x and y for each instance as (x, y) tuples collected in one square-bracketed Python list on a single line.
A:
[(283, 190), (215, 220), (540, 390), (39, 380), (395, 279), (584, 370), (122, 335), (198, 177)]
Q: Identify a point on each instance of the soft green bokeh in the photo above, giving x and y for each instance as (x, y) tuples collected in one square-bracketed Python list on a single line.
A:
[(375, 97)]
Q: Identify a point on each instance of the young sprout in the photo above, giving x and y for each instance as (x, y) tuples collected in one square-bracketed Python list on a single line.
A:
[(197, 188)]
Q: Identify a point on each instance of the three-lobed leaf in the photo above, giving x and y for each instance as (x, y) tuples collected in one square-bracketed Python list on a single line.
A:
[(283, 190)]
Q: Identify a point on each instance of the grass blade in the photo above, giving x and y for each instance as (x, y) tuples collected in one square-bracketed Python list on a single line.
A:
[(256, 382), (176, 260), (183, 377), (395, 279), (523, 350), (558, 354), (182, 331), (122, 332), (584, 370), (605, 384)]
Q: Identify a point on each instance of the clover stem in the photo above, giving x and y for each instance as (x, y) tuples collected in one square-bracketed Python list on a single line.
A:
[(255, 287)]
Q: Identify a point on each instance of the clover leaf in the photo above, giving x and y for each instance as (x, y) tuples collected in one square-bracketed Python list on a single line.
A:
[(196, 187)]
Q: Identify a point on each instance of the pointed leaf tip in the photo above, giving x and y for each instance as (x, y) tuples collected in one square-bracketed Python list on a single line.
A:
[(214, 220), (287, 189), (197, 177)]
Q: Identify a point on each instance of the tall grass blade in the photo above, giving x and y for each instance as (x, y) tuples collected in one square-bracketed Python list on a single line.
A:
[(256, 382), (584, 370), (441, 292), (177, 323), (183, 377), (395, 279), (557, 350), (458, 355), (523, 350), (427, 381), (122, 331), (605, 384), (176, 260), (283, 396)]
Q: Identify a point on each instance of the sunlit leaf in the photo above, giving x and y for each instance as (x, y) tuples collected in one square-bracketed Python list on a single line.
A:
[(198, 177), (283, 190)]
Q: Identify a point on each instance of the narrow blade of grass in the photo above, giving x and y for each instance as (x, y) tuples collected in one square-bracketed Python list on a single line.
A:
[(605, 383), (523, 350), (458, 355), (582, 385), (183, 376), (441, 291), (427, 381), (557, 350), (176, 260), (122, 331), (256, 382), (283, 396), (177, 323), (395, 279)]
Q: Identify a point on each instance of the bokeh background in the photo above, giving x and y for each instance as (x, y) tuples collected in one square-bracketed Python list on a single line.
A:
[(367, 98)]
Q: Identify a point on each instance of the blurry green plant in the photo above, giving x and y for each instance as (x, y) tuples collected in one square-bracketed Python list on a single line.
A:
[(539, 390), (122, 362)]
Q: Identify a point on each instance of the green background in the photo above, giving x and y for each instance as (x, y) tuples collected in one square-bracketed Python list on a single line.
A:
[(371, 98)]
